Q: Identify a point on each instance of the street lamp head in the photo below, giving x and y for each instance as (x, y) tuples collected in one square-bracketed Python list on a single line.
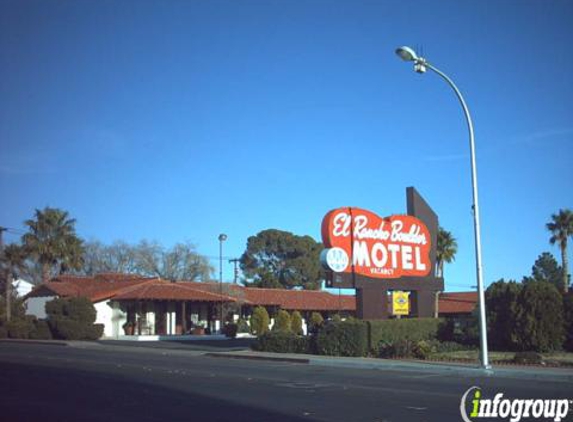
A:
[(222, 237), (407, 54)]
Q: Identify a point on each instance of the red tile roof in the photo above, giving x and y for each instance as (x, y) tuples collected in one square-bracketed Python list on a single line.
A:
[(162, 290), (301, 300), (457, 303), (133, 287)]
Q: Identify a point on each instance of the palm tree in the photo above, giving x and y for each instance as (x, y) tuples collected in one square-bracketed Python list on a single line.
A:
[(446, 249), (12, 261), (561, 228), (52, 240)]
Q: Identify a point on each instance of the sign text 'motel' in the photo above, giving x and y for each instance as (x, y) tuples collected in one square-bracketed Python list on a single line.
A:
[(375, 254)]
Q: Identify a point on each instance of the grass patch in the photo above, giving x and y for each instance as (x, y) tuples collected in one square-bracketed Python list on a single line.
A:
[(554, 359)]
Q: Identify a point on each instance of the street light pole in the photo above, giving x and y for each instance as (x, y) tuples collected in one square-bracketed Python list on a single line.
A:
[(222, 238), (420, 66)]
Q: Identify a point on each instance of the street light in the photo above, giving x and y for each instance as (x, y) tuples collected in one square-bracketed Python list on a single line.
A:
[(421, 65), (222, 238)]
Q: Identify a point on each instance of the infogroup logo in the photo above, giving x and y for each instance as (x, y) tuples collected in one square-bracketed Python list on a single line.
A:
[(474, 407)]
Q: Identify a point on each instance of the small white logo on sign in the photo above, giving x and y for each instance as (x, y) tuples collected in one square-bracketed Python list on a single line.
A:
[(335, 259)]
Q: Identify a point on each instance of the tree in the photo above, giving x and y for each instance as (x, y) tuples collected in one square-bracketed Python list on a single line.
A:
[(316, 321), (149, 259), (546, 269), (282, 322), (502, 311), (52, 241), (259, 321), (296, 323), (540, 323), (11, 263), (568, 317), (446, 249), (276, 258), (561, 228)]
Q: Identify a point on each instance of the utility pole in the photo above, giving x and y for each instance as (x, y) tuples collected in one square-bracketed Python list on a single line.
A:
[(235, 261)]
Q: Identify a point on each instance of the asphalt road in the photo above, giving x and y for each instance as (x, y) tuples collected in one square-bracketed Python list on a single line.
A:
[(44, 383)]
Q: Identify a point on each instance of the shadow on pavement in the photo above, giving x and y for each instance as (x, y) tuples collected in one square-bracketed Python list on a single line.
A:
[(201, 345), (39, 393)]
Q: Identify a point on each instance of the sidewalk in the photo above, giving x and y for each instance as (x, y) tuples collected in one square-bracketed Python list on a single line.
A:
[(444, 368)]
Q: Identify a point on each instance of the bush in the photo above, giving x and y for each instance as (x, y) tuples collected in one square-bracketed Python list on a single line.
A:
[(502, 309), (230, 330), (528, 358), (315, 323), (20, 327), (282, 322), (77, 309), (392, 330), (346, 338), (282, 342), (336, 318), (41, 331), (296, 323), (3, 332), (540, 323), (259, 321), (243, 326), (73, 319)]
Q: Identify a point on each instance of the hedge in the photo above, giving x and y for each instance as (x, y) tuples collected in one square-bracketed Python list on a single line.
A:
[(20, 327), (345, 338), (69, 329), (393, 330), (282, 342), (41, 331)]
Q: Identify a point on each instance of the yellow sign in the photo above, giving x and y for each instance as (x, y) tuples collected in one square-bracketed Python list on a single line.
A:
[(400, 303)]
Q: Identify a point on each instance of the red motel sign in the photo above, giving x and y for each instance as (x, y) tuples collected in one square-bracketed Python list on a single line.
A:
[(359, 240)]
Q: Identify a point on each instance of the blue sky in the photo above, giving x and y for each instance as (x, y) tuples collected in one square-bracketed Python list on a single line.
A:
[(179, 120)]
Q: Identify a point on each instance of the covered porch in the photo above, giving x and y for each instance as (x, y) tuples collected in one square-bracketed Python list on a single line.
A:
[(168, 309)]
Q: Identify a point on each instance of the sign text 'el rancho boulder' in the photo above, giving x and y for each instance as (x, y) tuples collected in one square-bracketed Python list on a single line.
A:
[(359, 240)]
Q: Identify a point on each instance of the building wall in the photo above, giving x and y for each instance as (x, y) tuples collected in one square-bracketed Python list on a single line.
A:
[(37, 306), (107, 315)]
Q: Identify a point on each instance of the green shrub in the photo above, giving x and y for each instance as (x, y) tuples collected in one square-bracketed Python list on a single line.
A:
[(528, 358), (392, 330), (502, 309), (20, 327), (73, 319), (230, 330), (41, 331), (243, 326), (259, 321), (336, 318), (281, 342), (402, 348), (296, 323), (282, 322), (315, 323), (343, 339), (540, 323), (423, 349), (76, 308)]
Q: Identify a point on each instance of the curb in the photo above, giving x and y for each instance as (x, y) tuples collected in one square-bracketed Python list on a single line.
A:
[(43, 342)]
